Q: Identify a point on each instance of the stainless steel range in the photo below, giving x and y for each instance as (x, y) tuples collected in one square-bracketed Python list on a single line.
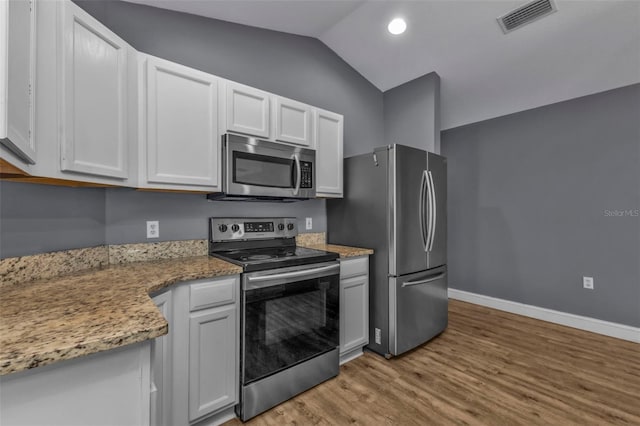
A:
[(289, 309)]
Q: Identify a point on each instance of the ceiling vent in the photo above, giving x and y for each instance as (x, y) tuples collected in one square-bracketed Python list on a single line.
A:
[(526, 14)]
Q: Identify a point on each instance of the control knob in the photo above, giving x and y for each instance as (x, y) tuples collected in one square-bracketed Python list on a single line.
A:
[(290, 226), (281, 227), (235, 227), (222, 228)]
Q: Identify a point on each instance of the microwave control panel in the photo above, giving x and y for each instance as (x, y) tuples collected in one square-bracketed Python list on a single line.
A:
[(306, 174)]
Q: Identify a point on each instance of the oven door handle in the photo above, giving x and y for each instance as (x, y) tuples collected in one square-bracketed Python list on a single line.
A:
[(296, 159), (294, 274)]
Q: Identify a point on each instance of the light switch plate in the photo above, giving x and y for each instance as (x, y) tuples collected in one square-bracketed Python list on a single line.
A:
[(587, 282)]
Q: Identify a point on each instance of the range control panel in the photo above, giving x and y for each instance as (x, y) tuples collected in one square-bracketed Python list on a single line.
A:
[(306, 174), (234, 228)]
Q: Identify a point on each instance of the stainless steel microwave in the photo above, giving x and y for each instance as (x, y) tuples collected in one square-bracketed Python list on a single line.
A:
[(253, 169)]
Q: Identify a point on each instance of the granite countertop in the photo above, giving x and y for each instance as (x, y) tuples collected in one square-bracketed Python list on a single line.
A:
[(343, 251), (49, 320)]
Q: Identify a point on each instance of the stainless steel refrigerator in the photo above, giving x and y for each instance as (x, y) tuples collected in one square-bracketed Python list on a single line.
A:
[(395, 201)]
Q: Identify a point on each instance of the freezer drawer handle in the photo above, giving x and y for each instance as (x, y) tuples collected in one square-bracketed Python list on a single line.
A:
[(428, 280)]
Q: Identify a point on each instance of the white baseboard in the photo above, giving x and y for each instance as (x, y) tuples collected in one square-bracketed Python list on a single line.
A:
[(593, 325)]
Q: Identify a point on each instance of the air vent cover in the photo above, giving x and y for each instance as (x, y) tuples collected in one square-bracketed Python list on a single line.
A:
[(526, 14)]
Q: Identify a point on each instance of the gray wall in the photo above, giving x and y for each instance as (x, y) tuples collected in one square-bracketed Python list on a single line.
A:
[(184, 216), (531, 197), (301, 68), (41, 218), (412, 113)]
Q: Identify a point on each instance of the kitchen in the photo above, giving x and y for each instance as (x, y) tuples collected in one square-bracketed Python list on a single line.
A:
[(497, 161)]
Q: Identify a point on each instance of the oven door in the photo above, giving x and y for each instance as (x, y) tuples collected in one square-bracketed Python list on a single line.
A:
[(259, 168), (289, 315)]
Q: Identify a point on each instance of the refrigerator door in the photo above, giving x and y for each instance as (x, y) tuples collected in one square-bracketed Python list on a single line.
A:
[(436, 210), (418, 306), (407, 190)]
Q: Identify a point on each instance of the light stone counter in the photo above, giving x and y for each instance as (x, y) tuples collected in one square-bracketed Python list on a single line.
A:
[(53, 319)]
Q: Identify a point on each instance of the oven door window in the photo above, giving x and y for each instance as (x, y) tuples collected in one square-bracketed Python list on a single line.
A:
[(289, 323), (263, 170)]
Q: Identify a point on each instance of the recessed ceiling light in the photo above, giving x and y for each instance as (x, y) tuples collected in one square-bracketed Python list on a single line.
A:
[(397, 26)]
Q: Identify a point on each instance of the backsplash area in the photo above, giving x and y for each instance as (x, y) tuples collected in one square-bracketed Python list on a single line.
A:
[(48, 265), (44, 218)]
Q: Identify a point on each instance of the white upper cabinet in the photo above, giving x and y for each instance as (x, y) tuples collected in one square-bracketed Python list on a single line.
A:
[(247, 110), (17, 76), (329, 131), (182, 139), (293, 122), (93, 104)]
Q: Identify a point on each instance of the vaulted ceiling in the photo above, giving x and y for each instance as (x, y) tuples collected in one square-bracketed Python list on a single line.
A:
[(585, 47)]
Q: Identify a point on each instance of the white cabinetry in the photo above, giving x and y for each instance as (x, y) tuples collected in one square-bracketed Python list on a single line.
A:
[(354, 306), (94, 90), (181, 148), (329, 131), (293, 122), (205, 347), (17, 78), (213, 366), (161, 362), (247, 110), (104, 389)]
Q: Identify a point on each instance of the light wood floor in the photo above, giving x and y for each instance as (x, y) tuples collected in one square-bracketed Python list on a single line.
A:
[(488, 367)]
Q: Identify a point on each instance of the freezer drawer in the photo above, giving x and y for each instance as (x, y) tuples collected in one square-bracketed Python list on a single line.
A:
[(418, 306)]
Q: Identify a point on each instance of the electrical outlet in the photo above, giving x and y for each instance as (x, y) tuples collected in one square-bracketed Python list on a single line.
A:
[(378, 336), (153, 229), (309, 223), (587, 282)]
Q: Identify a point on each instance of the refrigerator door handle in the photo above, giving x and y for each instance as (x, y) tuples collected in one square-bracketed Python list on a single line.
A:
[(434, 208), (428, 280), (430, 210), (423, 195)]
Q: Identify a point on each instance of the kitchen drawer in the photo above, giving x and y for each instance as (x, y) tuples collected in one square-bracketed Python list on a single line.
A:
[(207, 294), (353, 267)]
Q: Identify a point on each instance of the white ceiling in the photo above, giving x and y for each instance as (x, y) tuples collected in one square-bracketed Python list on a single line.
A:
[(585, 47)]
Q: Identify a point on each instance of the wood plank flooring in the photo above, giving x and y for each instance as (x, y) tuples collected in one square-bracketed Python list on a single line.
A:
[(488, 368)]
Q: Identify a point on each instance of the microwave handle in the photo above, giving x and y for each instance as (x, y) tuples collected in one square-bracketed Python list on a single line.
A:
[(298, 174)]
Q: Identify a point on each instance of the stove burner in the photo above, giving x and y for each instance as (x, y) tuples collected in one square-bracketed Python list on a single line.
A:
[(259, 257)]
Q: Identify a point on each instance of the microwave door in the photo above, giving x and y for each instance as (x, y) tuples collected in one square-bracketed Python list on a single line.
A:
[(256, 168)]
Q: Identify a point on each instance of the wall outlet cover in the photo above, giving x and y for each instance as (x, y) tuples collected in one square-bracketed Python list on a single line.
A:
[(153, 229), (378, 336), (309, 223)]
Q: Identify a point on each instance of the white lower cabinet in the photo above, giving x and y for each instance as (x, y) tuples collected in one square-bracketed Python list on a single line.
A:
[(161, 358), (354, 306), (103, 389), (213, 367), (195, 367)]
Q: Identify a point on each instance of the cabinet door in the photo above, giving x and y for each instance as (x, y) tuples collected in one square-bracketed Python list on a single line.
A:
[(18, 85), (94, 95), (247, 110), (354, 313), (161, 360), (293, 122), (182, 125), (213, 364), (329, 130)]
